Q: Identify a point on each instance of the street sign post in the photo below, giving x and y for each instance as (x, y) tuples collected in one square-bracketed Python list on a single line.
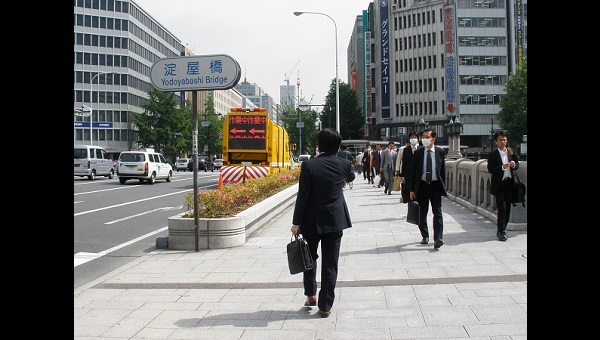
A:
[(195, 73)]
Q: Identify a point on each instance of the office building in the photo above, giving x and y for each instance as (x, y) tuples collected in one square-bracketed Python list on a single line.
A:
[(435, 60), (116, 44)]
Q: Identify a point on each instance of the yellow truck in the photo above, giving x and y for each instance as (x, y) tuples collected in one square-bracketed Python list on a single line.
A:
[(254, 146)]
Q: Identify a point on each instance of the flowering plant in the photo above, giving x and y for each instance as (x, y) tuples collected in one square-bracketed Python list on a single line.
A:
[(231, 199)]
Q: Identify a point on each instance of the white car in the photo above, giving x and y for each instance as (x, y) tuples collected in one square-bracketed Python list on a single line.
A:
[(143, 166), (217, 163), (182, 164), (303, 158)]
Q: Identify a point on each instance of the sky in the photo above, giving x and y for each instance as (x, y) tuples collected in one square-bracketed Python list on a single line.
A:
[(267, 39)]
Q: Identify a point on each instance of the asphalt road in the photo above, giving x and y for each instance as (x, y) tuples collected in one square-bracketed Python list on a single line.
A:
[(115, 223)]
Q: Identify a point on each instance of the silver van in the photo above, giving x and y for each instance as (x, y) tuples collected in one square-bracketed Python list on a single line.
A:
[(91, 161)]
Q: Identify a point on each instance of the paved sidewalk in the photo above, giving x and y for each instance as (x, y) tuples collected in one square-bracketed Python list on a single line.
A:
[(389, 286)]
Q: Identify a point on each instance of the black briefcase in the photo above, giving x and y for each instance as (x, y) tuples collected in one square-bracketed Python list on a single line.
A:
[(413, 212), (299, 258)]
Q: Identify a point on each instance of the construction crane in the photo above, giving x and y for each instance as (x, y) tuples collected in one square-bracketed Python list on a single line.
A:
[(287, 74)]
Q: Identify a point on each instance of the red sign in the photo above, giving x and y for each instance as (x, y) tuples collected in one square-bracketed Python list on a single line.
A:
[(247, 132)]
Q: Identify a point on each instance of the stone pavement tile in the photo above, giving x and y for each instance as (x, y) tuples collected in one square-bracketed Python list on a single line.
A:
[(427, 332)]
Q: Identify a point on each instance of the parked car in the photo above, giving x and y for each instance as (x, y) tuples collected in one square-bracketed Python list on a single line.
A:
[(143, 166), (182, 164), (203, 164), (217, 163)]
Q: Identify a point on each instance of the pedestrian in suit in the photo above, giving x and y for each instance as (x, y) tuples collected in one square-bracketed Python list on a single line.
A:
[(429, 186), (501, 163), (404, 170), (321, 215), (366, 159), (315, 153), (375, 159), (387, 167)]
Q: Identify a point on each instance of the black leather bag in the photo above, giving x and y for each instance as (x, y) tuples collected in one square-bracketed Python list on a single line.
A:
[(413, 212), (518, 192), (299, 258)]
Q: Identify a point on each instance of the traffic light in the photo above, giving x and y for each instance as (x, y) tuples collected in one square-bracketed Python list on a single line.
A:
[(484, 146)]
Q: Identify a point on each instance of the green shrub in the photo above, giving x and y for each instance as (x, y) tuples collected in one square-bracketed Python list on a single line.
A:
[(231, 199)]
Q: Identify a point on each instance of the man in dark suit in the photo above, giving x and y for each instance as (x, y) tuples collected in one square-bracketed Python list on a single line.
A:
[(321, 215), (428, 184), (501, 163), (375, 160), (366, 160)]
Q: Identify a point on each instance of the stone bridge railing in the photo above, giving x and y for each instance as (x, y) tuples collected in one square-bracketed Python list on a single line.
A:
[(468, 183)]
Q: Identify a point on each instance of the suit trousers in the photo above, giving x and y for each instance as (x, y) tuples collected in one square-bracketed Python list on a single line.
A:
[(366, 172), (431, 193), (330, 251), (503, 198), (388, 175)]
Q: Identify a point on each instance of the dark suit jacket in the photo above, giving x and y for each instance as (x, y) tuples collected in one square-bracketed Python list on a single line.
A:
[(407, 156), (494, 166), (376, 159), (320, 205), (416, 169)]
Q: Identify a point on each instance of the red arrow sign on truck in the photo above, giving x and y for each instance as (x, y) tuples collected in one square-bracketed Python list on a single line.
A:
[(253, 131), (234, 131)]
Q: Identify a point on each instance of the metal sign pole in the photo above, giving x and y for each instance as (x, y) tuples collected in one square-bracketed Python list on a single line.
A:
[(195, 160)]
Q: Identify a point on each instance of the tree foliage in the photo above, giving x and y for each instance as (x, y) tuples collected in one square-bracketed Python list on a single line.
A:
[(162, 118), (351, 116), (209, 135), (513, 107), (165, 124)]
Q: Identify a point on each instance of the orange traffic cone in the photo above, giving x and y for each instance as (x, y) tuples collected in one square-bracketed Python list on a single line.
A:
[(220, 181)]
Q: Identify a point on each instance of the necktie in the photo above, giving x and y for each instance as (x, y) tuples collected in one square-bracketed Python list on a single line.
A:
[(428, 167)]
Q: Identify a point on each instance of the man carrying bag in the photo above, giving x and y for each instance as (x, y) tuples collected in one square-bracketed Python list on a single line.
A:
[(321, 215)]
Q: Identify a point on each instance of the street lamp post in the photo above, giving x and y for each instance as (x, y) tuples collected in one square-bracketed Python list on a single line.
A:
[(453, 129), (91, 101), (421, 125), (337, 79)]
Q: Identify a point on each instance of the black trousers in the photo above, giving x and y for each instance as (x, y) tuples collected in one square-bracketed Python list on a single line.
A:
[(366, 172), (431, 193), (330, 250), (503, 198)]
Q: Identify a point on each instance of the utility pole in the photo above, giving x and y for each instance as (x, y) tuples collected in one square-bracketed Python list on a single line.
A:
[(492, 132)]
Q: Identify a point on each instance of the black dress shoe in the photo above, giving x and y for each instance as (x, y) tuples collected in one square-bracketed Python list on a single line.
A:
[(389, 192), (437, 243), (425, 240), (502, 236), (324, 314)]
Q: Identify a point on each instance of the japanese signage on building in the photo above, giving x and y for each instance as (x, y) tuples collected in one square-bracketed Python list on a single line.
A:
[(367, 83), (451, 66), (519, 15), (384, 26)]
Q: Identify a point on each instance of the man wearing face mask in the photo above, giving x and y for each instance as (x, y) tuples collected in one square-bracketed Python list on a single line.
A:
[(428, 185), (404, 169)]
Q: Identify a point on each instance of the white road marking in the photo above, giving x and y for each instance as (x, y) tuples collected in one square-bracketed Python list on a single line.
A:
[(144, 213), (131, 202), (83, 257)]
